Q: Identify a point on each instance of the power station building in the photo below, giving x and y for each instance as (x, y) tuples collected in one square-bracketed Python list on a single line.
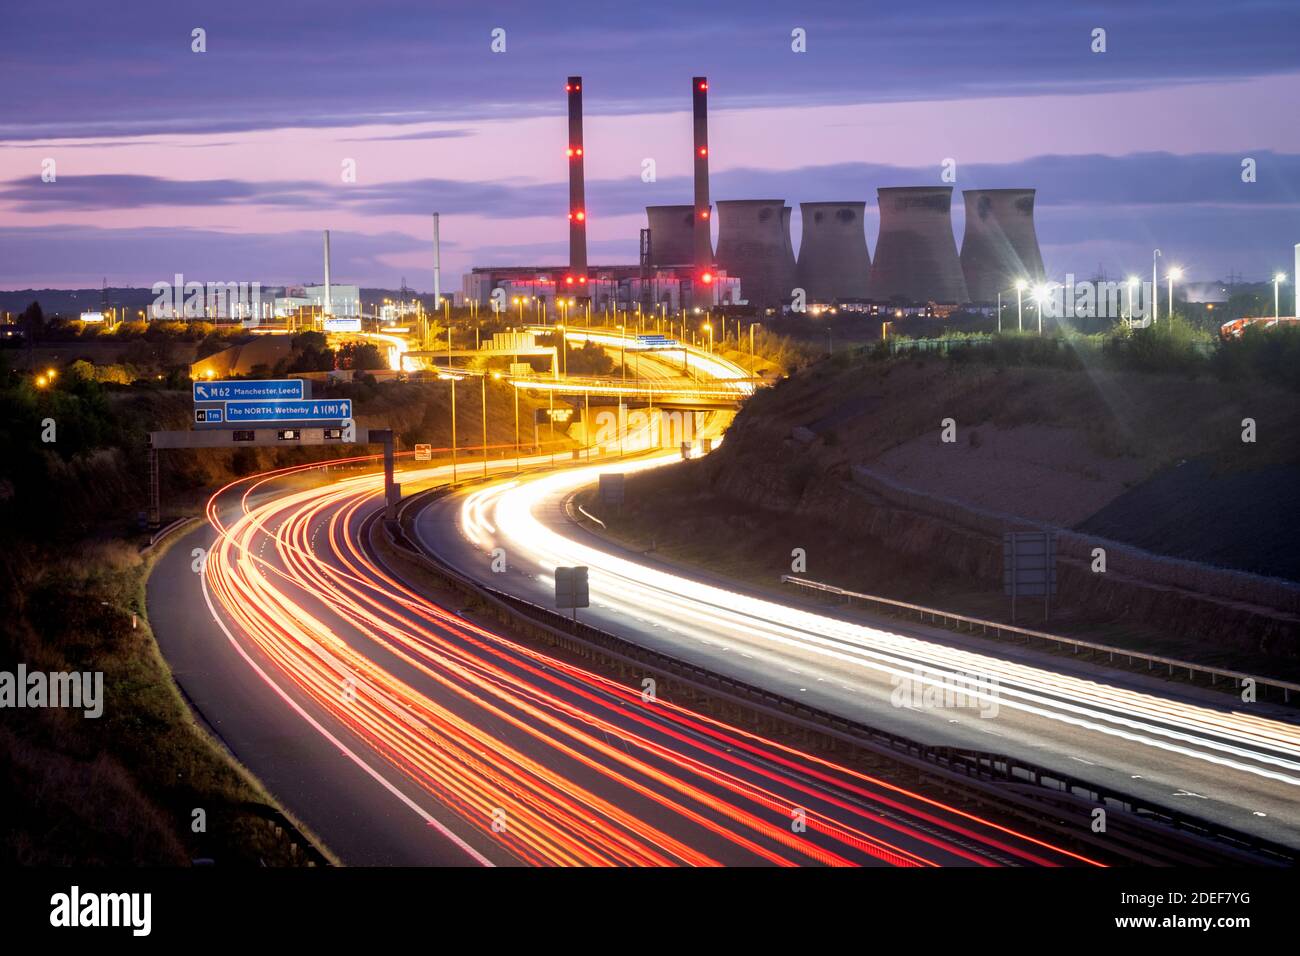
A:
[(754, 243), (1000, 245), (916, 254), (916, 262), (834, 264)]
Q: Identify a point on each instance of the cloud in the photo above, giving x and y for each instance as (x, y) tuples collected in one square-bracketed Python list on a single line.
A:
[(129, 68)]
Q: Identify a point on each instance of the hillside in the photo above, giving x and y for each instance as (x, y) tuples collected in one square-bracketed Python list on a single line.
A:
[(846, 459)]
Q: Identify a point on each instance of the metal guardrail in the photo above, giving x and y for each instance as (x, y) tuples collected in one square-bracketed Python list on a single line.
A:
[(938, 616), (990, 773), (165, 531)]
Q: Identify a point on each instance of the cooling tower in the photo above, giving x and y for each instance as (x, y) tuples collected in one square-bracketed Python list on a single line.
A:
[(833, 260), (1000, 245), (703, 237), (577, 185), (754, 245), (672, 235), (916, 255)]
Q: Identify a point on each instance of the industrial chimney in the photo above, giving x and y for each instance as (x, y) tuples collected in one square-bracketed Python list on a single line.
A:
[(833, 260), (577, 189), (703, 257), (672, 235), (1000, 245), (328, 310), (754, 245), (916, 255), (437, 265)]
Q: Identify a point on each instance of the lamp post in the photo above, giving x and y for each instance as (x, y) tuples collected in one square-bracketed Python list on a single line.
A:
[(1021, 285), (1174, 273), (453, 428), (1155, 287), (999, 312), (1278, 279), (483, 382), (1132, 284)]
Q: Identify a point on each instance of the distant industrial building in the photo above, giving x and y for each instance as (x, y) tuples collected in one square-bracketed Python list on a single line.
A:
[(345, 300), (916, 254), (834, 263), (1000, 246), (916, 263), (754, 243)]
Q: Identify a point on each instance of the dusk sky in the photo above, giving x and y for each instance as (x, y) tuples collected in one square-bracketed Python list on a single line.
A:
[(225, 165)]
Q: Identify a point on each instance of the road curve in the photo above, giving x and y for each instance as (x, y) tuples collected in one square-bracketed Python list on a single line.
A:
[(1174, 745), (402, 731)]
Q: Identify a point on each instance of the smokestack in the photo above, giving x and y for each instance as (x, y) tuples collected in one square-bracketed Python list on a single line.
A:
[(328, 306), (672, 235), (754, 244), (577, 188), (437, 265), (703, 257), (916, 254), (1000, 245), (833, 258)]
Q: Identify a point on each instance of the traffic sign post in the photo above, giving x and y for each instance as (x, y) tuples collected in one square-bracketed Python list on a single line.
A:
[(571, 589), (424, 453), (1029, 567)]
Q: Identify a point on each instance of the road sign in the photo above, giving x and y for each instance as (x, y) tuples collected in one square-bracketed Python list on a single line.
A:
[(207, 416), (571, 588), (560, 415), (424, 453), (308, 410), (612, 487), (1029, 567), (271, 389)]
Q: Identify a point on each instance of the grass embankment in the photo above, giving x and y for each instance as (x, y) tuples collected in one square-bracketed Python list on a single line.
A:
[(126, 788), (123, 789)]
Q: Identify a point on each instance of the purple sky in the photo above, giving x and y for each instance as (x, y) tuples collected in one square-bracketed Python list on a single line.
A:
[(225, 165)]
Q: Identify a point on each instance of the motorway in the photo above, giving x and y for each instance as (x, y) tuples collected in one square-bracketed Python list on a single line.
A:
[(403, 732), (1178, 746)]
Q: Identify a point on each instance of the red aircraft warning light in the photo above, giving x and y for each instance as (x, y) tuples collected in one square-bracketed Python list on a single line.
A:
[(703, 86), (707, 278)]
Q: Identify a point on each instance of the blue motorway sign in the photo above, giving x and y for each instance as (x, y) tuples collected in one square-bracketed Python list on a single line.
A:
[(307, 410), (249, 390)]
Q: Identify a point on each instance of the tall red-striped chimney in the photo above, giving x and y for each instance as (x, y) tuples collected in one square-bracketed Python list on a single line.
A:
[(577, 275), (703, 236)]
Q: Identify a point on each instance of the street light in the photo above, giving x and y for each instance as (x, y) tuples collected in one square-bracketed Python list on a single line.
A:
[(1155, 287), (1021, 285), (1174, 273), (564, 352), (1132, 284), (1040, 296), (483, 382), (708, 327), (1278, 279)]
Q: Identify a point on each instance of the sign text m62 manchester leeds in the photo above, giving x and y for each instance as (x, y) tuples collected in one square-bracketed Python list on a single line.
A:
[(311, 410), (247, 390)]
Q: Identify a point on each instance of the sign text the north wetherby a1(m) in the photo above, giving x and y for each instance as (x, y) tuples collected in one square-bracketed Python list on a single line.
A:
[(309, 410), (243, 390)]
